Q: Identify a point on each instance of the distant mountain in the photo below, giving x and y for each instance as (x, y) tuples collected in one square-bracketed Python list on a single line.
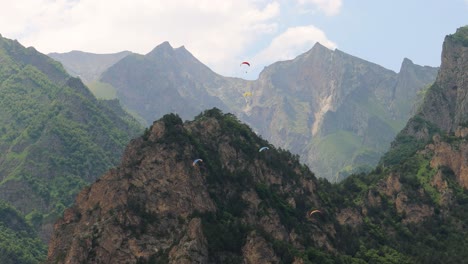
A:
[(164, 80), (56, 137), (338, 112), (87, 66)]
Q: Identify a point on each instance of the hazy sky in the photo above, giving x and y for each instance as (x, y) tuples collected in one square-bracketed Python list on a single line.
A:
[(223, 33)]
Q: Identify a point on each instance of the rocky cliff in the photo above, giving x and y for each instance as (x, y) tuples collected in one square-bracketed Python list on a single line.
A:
[(444, 110), (447, 106)]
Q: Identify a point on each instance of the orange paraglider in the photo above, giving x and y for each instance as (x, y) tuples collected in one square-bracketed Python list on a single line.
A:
[(314, 211)]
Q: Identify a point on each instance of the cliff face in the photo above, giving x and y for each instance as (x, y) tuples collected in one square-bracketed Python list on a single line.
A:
[(157, 205), (452, 156), (446, 104), (443, 111), (148, 199)]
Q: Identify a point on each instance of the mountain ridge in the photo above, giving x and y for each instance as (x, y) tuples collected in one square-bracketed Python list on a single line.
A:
[(304, 104)]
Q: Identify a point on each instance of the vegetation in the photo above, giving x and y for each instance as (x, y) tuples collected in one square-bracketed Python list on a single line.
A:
[(19, 242), (460, 36), (55, 138), (382, 237), (102, 90)]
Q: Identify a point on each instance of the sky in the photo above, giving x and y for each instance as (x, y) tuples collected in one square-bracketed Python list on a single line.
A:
[(222, 34)]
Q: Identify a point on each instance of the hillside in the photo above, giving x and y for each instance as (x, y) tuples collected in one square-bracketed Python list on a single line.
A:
[(55, 136), (19, 242)]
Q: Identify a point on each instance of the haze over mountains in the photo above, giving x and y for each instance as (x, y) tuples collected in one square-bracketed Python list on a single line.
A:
[(338, 112)]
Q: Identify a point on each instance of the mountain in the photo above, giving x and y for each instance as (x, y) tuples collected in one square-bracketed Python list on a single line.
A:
[(156, 207), (56, 137), (338, 112), (162, 81), (89, 67), (240, 205)]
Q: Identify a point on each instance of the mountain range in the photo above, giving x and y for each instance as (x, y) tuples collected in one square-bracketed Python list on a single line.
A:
[(240, 205), (338, 112)]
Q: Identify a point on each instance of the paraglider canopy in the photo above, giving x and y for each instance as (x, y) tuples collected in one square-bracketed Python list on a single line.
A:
[(245, 65), (196, 161), (263, 148), (314, 211)]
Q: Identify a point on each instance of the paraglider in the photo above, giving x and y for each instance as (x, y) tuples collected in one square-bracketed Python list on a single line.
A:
[(246, 95), (314, 211), (263, 148), (245, 65), (196, 161)]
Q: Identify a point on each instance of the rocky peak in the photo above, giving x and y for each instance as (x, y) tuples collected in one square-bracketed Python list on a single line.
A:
[(162, 50), (319, 48), (411, 80)]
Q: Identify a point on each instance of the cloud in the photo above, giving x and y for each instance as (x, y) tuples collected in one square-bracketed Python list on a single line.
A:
[(329, 7), (216, 32), (292, 42)]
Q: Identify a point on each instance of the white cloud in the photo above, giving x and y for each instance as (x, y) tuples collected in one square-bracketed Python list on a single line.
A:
[(329, 7), (292, 42), (216, 32)]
